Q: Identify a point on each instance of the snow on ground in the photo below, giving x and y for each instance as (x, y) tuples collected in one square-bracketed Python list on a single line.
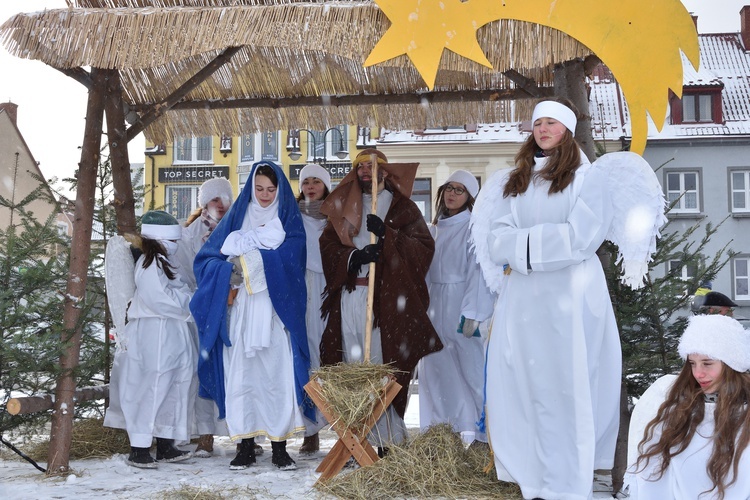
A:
[(113, 478)]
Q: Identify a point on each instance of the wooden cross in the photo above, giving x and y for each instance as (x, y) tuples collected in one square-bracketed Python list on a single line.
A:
[(350, 444)]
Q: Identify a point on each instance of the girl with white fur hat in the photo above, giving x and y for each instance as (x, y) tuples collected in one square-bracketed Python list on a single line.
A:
[(214, 199), (697, 445), (314, 187), (451, 380)]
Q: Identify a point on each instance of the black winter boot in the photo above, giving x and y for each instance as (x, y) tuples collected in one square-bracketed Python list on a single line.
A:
[(245, 455), (167, 452), (141, 458), (280, 458)]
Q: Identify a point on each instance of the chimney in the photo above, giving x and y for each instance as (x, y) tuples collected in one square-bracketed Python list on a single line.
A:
[(695, 20), (745, 26), (11, 109)]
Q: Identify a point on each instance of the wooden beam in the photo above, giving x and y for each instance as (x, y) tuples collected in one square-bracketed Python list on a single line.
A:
[(33, 404), (158, 109), (526, 84), (78, 74), (362, 100)]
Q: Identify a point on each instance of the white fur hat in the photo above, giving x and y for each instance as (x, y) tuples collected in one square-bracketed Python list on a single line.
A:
[(218, 187), (314, 170), (718, 337), (560, 112), (467, 179)]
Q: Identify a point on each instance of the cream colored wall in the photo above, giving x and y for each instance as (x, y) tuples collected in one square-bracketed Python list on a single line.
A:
[(16, 181)]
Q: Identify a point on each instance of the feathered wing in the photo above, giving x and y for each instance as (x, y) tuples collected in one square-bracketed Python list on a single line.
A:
[(481, 221), (119, 279), (645, 411), (639, 204)]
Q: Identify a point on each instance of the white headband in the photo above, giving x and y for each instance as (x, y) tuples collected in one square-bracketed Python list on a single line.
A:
[(559, 112), (718, 337), (161, 231), (467, 179)]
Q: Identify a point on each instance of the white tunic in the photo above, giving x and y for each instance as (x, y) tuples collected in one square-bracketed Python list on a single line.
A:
[(316, 282), (451, 381), (686, 476), (258, 367), (553, 359), (152, 383), (206, 418)]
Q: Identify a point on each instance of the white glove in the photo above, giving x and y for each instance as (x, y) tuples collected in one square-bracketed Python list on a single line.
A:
[(470, 326)]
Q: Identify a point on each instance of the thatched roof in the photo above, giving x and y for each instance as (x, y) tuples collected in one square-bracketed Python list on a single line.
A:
[(297, 64)]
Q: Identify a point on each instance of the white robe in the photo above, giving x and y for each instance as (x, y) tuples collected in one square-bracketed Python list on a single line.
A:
[(316, 282), (451, 381), (206, 418), (553, 358), (152, 382), (258, 366), (686, 476), (390, 428)]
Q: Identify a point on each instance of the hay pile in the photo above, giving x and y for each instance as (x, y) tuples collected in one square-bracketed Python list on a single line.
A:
[(352, 389), (432, 464), (90, 440)]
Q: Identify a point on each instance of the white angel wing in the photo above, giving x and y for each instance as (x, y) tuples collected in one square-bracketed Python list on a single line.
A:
[(645, 411), (639, 205), (119, 278), (481, 222)]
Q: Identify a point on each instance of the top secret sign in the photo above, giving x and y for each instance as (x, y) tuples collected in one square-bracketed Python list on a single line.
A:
[(192, 174)]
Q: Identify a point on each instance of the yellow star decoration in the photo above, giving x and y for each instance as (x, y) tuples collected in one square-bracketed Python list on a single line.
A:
[(422, 29), (639, 40)]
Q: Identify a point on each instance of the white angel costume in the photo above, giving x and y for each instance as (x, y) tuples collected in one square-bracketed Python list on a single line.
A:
[(151, 387), (258, 367), (685, 478), (451, 381), (553, 356)]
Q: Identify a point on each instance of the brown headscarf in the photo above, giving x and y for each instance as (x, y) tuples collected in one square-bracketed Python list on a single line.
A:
[(344, 205)]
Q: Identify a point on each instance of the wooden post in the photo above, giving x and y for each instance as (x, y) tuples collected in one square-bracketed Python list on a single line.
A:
[(62, 417), (371, 277), (118, 153), (570, 82)]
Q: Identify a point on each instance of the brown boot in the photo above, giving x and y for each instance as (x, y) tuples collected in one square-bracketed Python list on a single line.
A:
[(310, 445), (205, 446)]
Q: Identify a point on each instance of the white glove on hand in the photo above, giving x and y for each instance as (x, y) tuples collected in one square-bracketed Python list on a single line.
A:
[(470, 326), (236, 279)]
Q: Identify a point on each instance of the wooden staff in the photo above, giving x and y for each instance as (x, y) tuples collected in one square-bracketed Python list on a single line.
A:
[(371, 282)]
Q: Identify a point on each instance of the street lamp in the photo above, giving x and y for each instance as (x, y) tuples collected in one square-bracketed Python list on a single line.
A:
[(295, 154)]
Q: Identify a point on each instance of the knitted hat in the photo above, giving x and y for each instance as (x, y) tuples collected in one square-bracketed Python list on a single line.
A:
[(159, 225), (718, 337), (218, 187), (467, 179), (314, 170), (560, 112)]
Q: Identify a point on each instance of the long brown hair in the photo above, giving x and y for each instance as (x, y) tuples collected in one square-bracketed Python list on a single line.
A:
[(560, 168), (441, 209), (681, 413), (154, 251)]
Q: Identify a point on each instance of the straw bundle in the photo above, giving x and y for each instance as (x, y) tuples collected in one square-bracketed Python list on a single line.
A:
[(351, 390), (433, 464), (90, 440)]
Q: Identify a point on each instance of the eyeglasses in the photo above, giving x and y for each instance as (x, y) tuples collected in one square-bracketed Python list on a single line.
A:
[(459, 191)]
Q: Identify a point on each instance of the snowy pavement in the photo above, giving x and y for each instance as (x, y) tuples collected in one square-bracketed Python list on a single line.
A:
[(113, 478)]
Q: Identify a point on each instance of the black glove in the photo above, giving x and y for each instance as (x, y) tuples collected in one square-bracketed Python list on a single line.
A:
[(368, 254), (375, 225)]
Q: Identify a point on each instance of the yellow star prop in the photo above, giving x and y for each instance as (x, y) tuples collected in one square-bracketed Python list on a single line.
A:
[(422, 29), (639, 40)]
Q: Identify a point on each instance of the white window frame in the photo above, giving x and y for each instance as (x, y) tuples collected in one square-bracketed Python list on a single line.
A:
[(685, 271), (178, 212), (681, 193), (703, 103), (741, 278), (194, 157), (741, 192)]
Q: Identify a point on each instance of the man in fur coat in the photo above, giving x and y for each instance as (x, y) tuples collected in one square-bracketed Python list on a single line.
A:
[(402, 332)]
